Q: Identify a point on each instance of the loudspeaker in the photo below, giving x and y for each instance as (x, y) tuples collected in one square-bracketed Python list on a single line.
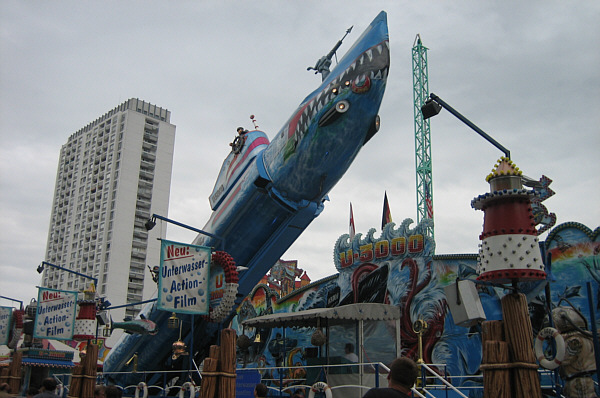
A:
[(464, 303)]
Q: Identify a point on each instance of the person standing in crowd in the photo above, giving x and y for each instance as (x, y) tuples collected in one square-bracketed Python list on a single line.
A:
[(5, 390), (113, 392), (48, 387), (99, 392), (349, 353), (402, 377), (31, 392), (260, 391)]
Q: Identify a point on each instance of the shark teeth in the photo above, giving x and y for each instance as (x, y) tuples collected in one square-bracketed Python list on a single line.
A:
[(325, 96)]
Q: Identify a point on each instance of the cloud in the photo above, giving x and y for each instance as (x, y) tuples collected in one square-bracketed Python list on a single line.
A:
[(524, 72)]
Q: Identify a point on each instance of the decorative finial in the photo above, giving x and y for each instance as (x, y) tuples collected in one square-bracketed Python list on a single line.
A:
[(504, 167)]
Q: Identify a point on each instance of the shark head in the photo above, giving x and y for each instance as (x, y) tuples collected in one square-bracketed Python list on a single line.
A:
[(324, 135)]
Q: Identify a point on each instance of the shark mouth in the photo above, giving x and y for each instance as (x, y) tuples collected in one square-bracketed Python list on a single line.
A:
[(371, 65)]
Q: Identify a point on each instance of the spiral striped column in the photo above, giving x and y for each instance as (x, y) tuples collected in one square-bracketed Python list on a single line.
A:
[(509, 247)]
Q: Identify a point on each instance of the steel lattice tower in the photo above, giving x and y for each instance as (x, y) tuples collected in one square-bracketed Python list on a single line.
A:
[(422, 135)]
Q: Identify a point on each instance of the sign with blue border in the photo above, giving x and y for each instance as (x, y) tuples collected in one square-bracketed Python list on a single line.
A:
[(183, 278), (55, 316)]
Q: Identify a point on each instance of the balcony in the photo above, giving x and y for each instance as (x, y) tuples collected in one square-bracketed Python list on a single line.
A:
[(146, 166), (138, 285), (150, 146), (147, 156), (138, 255), (146, 175), (150, 137)]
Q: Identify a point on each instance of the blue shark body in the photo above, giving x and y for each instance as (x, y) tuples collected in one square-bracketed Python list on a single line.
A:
[(139, 326), (268, 192)]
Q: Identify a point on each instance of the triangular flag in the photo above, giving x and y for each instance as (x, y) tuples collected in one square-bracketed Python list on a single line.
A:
[(352, 228), (387, 215)]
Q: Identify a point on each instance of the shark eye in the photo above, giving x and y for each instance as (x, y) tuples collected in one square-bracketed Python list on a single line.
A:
[(335, 91), (361, 84), (342, 106)]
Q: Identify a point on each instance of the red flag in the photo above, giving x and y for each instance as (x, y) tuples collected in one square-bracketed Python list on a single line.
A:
[(352, 228), (428, 201), (387, 215)]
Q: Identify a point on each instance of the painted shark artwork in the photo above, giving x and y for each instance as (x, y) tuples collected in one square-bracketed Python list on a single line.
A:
[(268, 192)]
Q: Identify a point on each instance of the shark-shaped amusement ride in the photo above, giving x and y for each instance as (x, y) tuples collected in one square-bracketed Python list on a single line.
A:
[(268, 192)]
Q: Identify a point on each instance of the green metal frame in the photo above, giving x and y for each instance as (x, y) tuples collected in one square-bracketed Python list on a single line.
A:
[(422, 136)]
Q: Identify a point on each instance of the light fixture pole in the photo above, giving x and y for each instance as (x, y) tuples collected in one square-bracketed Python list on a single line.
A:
[(434, 105), (114, 307), (40, 269), (151, 223), (12, 299)]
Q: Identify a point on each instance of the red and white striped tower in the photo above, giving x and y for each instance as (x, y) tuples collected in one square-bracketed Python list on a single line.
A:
[(85, 322), (509, 249)]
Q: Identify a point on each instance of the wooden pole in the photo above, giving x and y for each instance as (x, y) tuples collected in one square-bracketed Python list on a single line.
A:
[(492, 331), (4, 375), (90, 366), (210, 373), (14, 377), (76, 379), (519, 335), (495, 361), (227, 363)]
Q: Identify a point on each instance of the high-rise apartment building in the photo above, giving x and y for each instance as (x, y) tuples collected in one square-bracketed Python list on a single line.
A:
[(113, 174)]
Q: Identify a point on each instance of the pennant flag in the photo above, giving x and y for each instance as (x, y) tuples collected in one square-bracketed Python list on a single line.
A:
[(387, 215), (352, 228), (183, 278), (5, 318), (55, 317)]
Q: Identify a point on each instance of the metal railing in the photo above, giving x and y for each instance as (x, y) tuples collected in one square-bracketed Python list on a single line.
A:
[(353, 379)]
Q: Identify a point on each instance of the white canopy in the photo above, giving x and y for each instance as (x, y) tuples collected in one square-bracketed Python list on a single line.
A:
[(327, 316)]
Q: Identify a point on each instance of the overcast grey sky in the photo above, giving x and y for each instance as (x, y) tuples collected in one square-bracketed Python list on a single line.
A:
[(527, 73)]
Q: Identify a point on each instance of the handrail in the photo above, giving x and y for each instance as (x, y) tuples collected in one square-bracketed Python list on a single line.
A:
[(444, 381), (426, 390)]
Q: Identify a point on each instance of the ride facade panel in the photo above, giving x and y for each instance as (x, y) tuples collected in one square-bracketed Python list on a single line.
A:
[(397, 267)]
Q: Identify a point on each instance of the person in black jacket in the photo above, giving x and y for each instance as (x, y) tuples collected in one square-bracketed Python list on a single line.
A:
[(48, 387), (402, 377), (260, 390)]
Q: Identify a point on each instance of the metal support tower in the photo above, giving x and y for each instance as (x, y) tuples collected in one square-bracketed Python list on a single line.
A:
[(422, 135)]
